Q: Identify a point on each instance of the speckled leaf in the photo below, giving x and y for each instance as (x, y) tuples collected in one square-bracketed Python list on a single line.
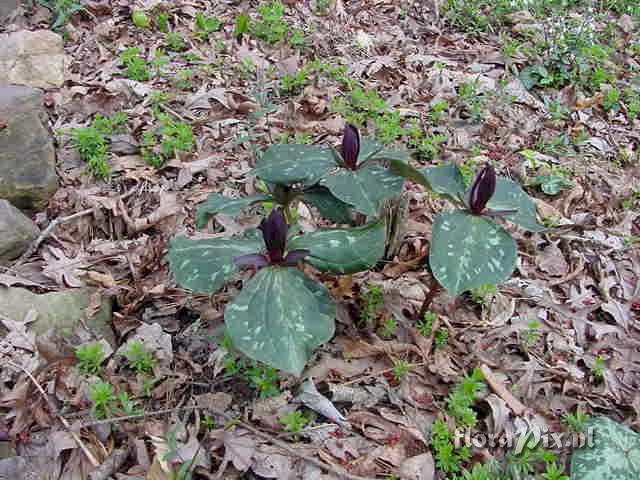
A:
[(364, 188), (343, 250), (368, 147), (469, 251), (287, 164), (279, 317), (509, 196), (203, 265), (217, 203), (446, 180), (329, 206), (613, 455)]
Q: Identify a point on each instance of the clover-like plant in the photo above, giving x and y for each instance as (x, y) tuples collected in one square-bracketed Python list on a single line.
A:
[(469, 248), (280, 315), (362, 174)]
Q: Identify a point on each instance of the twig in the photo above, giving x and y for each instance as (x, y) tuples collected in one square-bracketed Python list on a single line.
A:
[(54, 410), (46, 232), (380, 373), (125, 418), (498, 387)]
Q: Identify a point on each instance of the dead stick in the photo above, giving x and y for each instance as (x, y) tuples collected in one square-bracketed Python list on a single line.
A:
[(46, 232), (54, 410), (498, 387)]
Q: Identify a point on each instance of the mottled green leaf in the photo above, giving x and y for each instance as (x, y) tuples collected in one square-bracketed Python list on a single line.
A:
[(446, 180), (368, 147), (287, 164), (614, 453), (509, 196), (217, 203), (469, 251), (364, 188), (328, 205), (203, 265), (279, 317), (343, 250)]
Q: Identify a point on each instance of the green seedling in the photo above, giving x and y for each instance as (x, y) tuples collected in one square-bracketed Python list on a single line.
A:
[(175, 41), (463, 396), (162, 22), (104, 399), (483, 294), (294, 422), (389, 327), (400, 369), (90, 358), (205, 26), (139, 359), (575, 421), (270, 24), (441, 338), (598, 368), (242, 25), (372, 300), (264, 380), (209, 423), (425, 325), (137, 68), (448, 459)]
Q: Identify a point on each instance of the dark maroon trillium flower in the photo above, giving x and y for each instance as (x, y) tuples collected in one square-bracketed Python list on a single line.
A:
[(274, 232), (481, 190), (350, 146)]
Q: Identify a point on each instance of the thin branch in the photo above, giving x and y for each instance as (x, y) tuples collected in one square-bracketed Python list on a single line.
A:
[(54, 410)]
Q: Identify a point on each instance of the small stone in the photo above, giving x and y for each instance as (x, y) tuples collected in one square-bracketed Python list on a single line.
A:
[(62, 311), (33, 58), (27, 156), (17, 232)]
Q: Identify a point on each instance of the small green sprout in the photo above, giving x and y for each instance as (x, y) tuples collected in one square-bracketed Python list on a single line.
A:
[(575, 421), (389, 327), (104, 399), (294, 422), (400, 369), (90, 358), (139, 359), (442, 337), (425, 326)]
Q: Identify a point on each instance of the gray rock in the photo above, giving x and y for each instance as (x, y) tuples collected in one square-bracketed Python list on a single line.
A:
[(33, 58), (27, 156), (61, 311), (7, 7), (17, 231)]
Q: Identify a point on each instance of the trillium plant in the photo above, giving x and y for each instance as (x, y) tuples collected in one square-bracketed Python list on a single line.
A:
[(281, 314)]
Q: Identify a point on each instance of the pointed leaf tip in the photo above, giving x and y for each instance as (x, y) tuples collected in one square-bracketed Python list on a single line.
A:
[(350, 146)]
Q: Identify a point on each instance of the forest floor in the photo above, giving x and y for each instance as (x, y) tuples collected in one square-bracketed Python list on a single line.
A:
[(549, 94)]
